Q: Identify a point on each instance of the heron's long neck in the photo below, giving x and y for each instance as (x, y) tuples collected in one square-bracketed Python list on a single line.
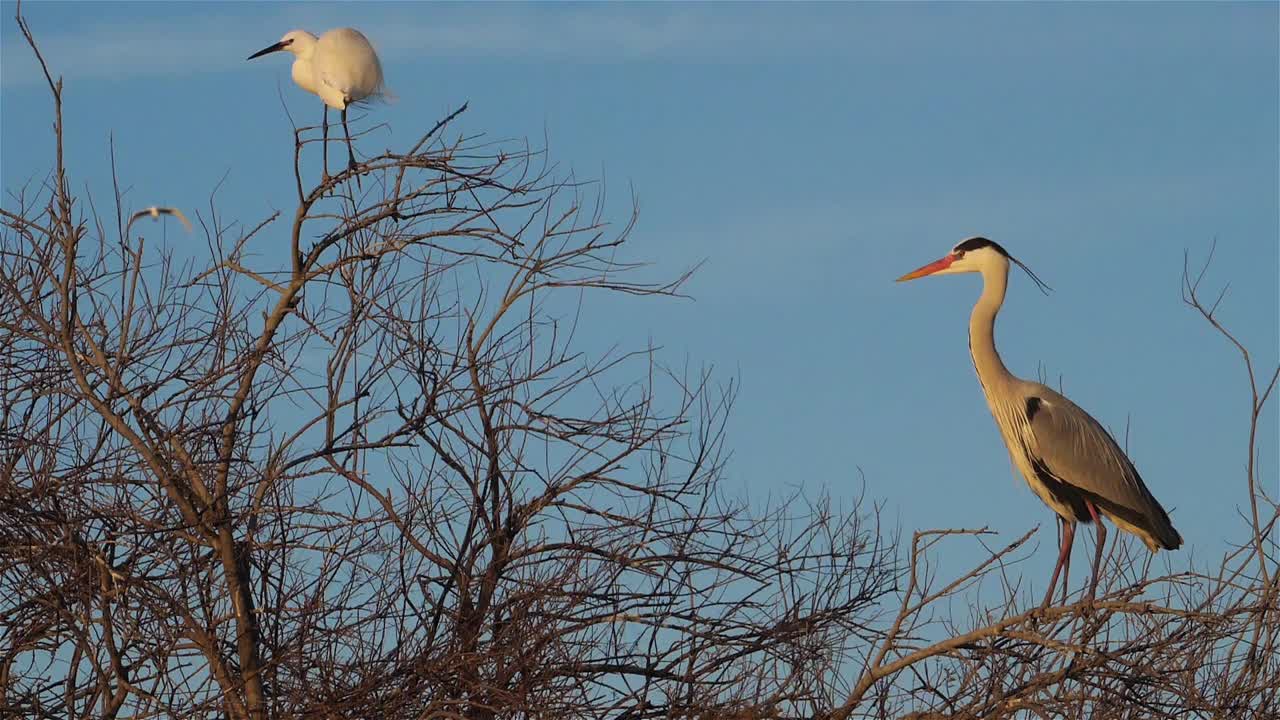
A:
[(982, 327)]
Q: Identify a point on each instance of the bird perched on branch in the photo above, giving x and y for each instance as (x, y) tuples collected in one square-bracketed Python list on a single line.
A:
[(340, 67), (1066, 456)]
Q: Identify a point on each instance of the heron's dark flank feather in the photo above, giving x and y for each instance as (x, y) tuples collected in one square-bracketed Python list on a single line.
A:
[(1062, 491), (1075, 497), (1077, 450), (1033, 405)]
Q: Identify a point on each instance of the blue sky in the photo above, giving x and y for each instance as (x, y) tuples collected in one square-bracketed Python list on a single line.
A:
[(811, 154)]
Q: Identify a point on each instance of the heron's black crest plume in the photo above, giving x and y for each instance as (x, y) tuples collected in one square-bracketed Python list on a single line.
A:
[(1044, 287), (977, 243)]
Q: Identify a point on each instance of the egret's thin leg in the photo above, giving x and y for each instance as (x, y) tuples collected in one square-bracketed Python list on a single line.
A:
[(351, 155), (1097, 552), (324, 142), (1068, 536)]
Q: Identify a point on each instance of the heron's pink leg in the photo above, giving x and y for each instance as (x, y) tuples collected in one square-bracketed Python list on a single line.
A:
[(1097, 552), (1066, 567), (1068, 536)]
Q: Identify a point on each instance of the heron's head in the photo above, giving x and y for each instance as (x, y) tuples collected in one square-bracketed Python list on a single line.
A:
[(975, 255), (298, 42)]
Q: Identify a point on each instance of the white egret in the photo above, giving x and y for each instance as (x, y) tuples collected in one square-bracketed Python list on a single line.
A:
[(340, 67), (155, 212)]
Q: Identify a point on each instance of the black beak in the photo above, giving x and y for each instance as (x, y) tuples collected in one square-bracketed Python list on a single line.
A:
[(265, 50)]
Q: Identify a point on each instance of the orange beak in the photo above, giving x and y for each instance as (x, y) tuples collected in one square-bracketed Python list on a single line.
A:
[(933, 267)]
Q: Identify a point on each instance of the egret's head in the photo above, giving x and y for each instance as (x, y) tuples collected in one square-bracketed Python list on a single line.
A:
[(298, 42), (977, 254)]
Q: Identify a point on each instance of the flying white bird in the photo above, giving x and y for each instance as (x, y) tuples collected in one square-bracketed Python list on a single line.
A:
[(340, 67), (1067, 457), (156, 212)]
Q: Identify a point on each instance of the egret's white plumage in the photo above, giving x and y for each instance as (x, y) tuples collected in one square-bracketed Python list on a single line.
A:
[(340, 67)]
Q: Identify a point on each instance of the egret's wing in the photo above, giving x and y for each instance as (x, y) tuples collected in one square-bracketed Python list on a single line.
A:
[(178, 214), (350, 89), (333, 82), (1078, 451), (346, 63)]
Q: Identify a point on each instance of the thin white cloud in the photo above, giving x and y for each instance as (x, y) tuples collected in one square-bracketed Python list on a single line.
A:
[(111, 51), (167, 47), (184, 44)]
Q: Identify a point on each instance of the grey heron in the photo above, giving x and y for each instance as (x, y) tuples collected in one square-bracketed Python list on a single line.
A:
[(1070, 461), (340, 67)]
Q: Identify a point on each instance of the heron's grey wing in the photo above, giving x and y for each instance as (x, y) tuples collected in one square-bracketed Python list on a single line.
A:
[(1075, 449)]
